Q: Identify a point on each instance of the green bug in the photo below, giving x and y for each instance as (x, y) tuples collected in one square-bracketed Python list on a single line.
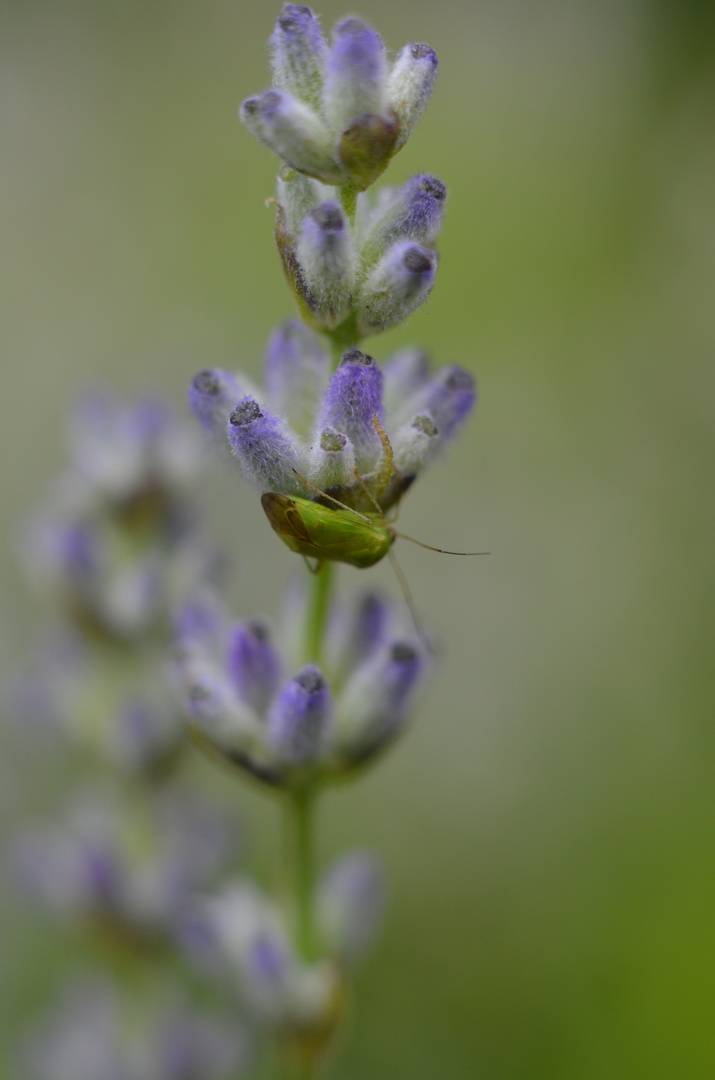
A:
[(319, 532)]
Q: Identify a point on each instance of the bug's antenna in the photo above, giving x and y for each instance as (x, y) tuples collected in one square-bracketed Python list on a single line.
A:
[(344, 506), (442, 551)]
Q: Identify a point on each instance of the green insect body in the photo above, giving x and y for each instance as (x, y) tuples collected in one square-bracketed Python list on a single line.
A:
[(320, 532)]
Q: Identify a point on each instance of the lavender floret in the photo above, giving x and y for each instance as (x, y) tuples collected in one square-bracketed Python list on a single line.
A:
[(296, 368), (300, 718), (353, 398), (254, 666), (265, 447), (401, 281), (299, 52), (356, 73), (448, 399)]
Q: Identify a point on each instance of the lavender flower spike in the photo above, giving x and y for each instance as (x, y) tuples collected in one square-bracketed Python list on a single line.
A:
[(338, 115), (300, 719), (353, 397), (265, 447)]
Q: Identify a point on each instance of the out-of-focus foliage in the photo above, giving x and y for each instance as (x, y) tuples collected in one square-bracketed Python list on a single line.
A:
[(549, 825)]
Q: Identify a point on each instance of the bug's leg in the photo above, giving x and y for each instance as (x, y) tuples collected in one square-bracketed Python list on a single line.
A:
[(343, 506), (386, 465), (313, 569), (367, 491)]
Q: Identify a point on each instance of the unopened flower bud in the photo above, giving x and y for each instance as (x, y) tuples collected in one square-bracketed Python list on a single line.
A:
[(401, 281), (300, 719), (212, 396), (448, 399), (253, 663), (332, 460), (351, 899), (414, 444), (296, 374), (353, 397), (293, 131), (409, 86), (356, 74), (406, 372), (328, 261), (373, 705), (299, 52), (357, 632), (265, 447), (414, 212)]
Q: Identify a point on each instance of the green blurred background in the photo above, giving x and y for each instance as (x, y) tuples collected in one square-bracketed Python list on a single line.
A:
[(549, 823)]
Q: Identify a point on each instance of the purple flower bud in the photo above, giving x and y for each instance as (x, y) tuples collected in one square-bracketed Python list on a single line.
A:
[(414, 444), (356, 74), (268, 958), (353, 397), (265, 447), (351, 899), (293, 131), (145, 731), (369, 626), (73, 549), (448, 399), (300, 719), (332, 460), (355, 632), (404, 373), (205, 692), (299, 54), (328, 260), (83, 1040), (296, 373), (401, 281), (102, 874), (415, 213), (409, 86), (373, 705), (212, 396), (200, 620), (254, 666), (194, 1046)]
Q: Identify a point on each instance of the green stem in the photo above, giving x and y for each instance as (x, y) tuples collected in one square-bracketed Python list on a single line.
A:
[(343, 337), (299, 857), (318, 604)]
